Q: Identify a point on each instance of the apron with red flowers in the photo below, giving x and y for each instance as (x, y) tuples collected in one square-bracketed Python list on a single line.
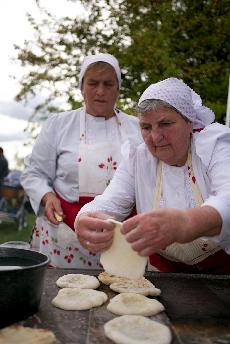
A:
[(96, 163)]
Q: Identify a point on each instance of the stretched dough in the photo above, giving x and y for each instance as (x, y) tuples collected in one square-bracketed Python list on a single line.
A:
[(120, 259)]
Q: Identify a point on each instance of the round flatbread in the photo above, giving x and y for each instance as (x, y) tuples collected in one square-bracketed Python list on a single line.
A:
[(136, 329), (78, 281), (108, 279), (74, 299), (143, 287), (135, 304), (17, 334)]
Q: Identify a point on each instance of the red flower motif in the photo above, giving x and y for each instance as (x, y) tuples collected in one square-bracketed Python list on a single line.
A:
[(69, 258), (193, 179), (101, 165)]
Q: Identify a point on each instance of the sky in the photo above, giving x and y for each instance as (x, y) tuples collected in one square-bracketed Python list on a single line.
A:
[(15, 29)]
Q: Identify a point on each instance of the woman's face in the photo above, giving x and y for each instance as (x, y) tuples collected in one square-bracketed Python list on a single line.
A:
[(100, 91), (167, 135)]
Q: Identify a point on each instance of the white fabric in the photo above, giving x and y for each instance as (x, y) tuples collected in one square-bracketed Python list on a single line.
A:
[(136, 175), (179, 95), (53, 163), (88, 60), (199, 249), (98, 161)]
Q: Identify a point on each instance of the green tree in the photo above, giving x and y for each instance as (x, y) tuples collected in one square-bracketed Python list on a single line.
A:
[(151, 39)]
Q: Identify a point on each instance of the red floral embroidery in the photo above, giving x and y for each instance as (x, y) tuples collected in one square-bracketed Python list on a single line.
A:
[(110, 166), (69, 258), (45, 242), (193, 179)]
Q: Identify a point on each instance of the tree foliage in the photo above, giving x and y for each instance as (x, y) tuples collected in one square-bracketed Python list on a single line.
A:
[(152, 40)]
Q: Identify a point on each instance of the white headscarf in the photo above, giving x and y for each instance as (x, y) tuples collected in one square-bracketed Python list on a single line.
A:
[(176, 93), (88, 60)]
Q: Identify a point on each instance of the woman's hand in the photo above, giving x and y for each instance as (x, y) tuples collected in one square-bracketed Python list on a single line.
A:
[(157, 229), (52, 205), (94, 231), (149, 232)]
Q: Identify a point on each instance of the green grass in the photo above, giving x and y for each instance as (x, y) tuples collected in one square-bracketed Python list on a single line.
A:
[(9, 232)]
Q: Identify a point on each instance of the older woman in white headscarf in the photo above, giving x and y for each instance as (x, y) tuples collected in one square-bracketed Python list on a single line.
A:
[(74, 159), (179, 180)]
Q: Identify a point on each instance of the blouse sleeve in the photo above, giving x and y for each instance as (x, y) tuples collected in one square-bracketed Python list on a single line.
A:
[(218, 171), (40, 166)]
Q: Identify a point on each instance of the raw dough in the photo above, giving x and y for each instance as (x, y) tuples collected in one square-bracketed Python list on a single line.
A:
[(120, 259), (135, 304), (136, 329), (78, 281), (74, 299)]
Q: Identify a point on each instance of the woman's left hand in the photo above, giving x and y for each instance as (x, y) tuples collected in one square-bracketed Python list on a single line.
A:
[(149, 232)]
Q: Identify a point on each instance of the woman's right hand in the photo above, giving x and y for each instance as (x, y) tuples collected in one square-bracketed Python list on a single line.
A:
[(94, 231), (52, 206)]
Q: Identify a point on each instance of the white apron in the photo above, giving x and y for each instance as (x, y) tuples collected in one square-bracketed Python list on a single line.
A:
[(197, 250), (97, 164)]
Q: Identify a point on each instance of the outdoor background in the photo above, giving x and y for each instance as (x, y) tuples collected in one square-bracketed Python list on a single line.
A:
[(43, 43)]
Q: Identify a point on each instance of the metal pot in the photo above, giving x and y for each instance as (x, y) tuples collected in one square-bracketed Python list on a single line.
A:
[(22, 275)]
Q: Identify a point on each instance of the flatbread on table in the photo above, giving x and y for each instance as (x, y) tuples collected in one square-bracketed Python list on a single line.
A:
[(17, 334), (78, 281), (135, 304), (79, 299), (107, 279), (141, 286), (120, 259), (136, 329)]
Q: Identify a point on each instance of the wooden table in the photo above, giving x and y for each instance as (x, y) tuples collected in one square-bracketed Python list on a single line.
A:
[(197, 310)]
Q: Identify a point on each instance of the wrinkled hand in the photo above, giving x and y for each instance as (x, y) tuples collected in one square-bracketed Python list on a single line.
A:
[(149, 232), (94, 231), (52, 205)]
